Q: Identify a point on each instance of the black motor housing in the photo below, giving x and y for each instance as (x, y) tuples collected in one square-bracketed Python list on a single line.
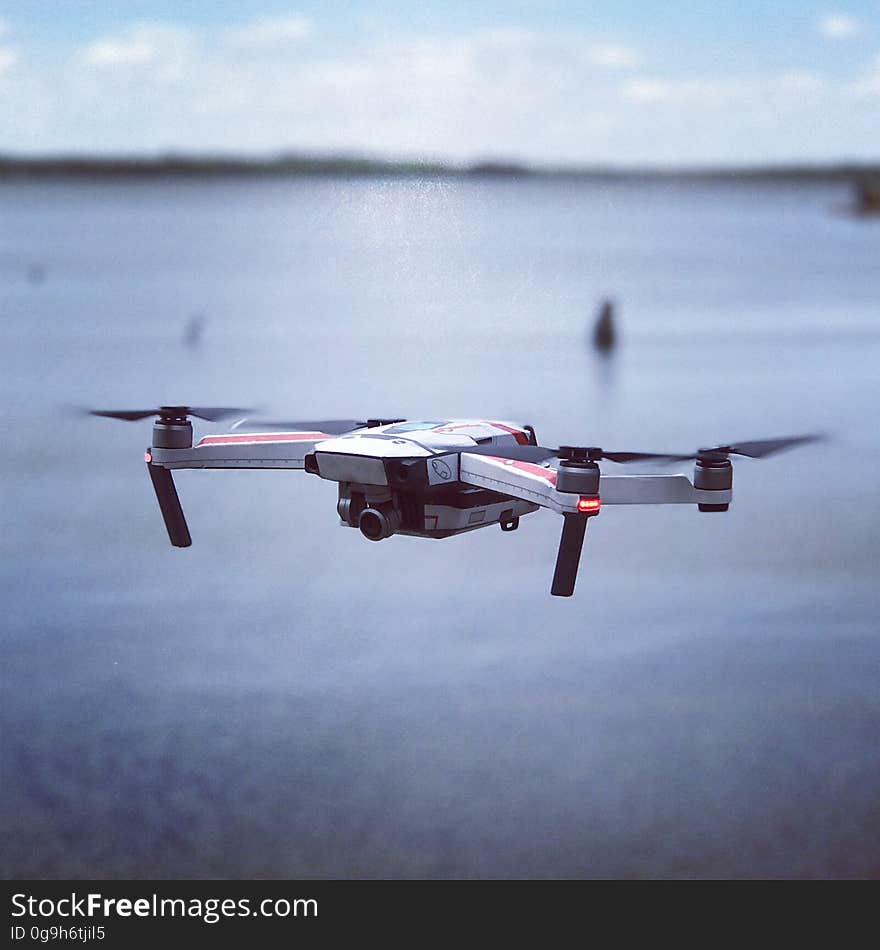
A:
[(577, 474), (176, 434), (713, 473)]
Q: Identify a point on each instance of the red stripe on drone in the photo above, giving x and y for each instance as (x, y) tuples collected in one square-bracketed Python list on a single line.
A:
[(264, 437), (520, 436), (545, 474)]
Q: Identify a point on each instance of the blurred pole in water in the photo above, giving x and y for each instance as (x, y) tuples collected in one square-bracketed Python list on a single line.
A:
[(604, 340), (192, 334), (604, 331)]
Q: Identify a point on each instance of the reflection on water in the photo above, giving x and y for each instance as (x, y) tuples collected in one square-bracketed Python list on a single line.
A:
[(285, 699)]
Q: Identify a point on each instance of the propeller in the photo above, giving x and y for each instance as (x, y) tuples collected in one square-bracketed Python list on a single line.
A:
[(209, 413), (756, 449), (330, 426), (540, 453), (759, 448)]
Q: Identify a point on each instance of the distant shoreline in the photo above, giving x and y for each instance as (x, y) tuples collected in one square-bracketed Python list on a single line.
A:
[(336, 166)]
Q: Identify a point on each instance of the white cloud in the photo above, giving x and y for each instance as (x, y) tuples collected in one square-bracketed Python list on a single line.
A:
[(144, 44), (706, 90), (614, 57), (270, 33), (718, 91), (650, 91), (8, 59), (114, 53), (868, 85), (838, 26), (545, 47), (799, 81), (539, 95)]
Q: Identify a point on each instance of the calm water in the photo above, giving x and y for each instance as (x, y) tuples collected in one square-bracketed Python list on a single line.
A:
[(286, 699)]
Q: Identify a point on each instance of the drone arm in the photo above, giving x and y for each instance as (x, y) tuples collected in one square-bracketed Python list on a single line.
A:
[(537, 484), (654, 490), (523, 480), (283, 450)]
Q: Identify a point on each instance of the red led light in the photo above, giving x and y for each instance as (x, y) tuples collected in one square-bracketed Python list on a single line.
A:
[(588, 506), (148, 458)]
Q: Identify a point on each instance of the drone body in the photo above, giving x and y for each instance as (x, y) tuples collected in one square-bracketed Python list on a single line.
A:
[(434, 479)]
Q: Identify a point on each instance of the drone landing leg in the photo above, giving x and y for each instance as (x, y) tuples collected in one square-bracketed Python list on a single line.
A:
[(169, 505), (574, 527)]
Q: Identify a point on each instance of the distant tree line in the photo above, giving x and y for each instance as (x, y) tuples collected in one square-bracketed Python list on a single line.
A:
[(205, 166)]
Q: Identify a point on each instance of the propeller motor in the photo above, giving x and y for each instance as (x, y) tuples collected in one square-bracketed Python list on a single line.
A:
[(172, 428)]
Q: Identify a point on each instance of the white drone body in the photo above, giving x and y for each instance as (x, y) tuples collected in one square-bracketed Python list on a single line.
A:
[(433, 479)]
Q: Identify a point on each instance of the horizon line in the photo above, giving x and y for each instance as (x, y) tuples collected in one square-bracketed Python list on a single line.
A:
[(358, 162)]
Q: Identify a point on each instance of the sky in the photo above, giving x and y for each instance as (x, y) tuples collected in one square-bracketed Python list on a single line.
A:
[(642, 83)]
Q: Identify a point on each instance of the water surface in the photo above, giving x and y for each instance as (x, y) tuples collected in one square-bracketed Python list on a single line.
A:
[(285, 699)]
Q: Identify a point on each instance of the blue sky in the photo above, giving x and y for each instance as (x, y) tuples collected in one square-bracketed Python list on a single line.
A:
[(653, 82)]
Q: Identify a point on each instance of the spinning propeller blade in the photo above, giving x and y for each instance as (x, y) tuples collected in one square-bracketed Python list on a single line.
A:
[(209, 413), (216, 413), (756, 449), (760, 448), (128, 415), (540, 453), (330, 426)]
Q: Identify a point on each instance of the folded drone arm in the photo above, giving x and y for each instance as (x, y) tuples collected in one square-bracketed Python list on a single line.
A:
[(537, 484), (523, 480), (285, 450)]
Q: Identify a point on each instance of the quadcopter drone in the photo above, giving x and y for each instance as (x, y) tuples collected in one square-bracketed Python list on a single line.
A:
[(434, 479)]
